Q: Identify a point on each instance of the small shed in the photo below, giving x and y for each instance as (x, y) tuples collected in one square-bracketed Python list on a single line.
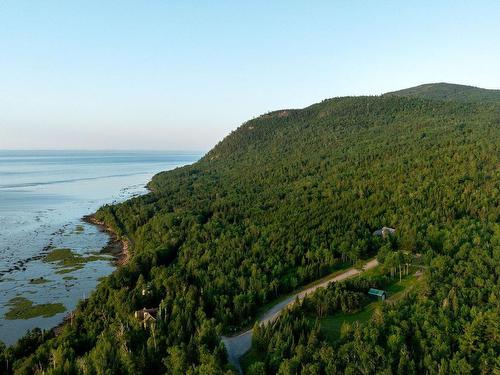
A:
[(382, 294)]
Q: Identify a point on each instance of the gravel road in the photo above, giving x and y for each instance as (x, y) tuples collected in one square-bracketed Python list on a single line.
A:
[(238, 345)]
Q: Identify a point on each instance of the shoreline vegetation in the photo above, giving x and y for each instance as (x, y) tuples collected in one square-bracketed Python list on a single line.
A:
[(117, 247)]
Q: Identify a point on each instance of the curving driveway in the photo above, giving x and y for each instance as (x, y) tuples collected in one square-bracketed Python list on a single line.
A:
[(238, 345)]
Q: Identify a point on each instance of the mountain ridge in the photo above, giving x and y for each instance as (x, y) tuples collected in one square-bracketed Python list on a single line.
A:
[(449, 91), (342, 107)]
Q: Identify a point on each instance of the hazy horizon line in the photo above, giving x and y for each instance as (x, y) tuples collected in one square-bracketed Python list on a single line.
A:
[(103, 150)]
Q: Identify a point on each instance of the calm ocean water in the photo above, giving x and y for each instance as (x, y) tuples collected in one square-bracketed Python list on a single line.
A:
[(43, 196)]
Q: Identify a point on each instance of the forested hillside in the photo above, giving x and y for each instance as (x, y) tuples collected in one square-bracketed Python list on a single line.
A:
[(282, 201), (449, 91)]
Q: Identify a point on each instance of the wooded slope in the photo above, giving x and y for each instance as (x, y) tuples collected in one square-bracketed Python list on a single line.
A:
[(279, 202)]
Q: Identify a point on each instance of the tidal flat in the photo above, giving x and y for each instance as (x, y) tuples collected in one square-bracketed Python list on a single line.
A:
[(48, 255)]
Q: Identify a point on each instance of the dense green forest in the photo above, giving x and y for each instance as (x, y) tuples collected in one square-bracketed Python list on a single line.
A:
[(446, 91), (282, 201)]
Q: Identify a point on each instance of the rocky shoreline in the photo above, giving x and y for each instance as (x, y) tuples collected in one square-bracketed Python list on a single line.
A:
[(116, 246)]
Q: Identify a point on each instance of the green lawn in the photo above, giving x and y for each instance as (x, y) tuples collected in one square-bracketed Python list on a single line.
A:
[(331, 325), (252, 356)]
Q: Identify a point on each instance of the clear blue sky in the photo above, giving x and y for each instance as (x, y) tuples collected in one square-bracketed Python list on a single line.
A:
[(182, 74)]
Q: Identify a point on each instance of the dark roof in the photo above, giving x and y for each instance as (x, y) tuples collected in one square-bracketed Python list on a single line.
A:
[(376, 292)]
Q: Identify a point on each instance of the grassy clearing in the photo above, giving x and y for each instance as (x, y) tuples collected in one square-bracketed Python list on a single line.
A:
[(23, 308), (252, 355), (331, 325), (374, 272)]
